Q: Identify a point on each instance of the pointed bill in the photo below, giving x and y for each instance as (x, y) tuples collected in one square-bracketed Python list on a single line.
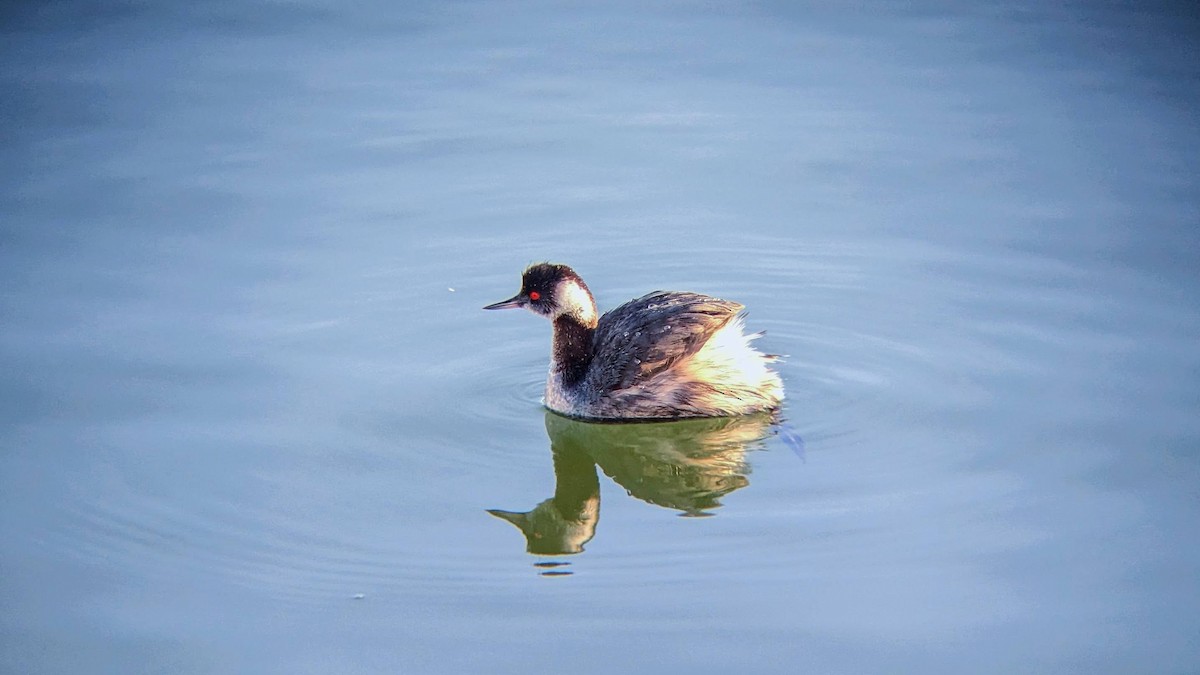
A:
[(514, 302)]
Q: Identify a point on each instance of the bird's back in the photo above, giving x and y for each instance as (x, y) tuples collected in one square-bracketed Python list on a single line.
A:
[(647, 336)]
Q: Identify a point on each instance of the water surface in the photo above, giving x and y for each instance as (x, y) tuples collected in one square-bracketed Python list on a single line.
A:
[(253, 419)]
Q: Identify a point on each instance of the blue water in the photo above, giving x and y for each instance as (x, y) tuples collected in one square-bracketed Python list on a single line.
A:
[(252, 418)]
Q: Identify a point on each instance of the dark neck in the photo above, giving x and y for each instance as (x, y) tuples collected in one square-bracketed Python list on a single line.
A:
[(572, 349)]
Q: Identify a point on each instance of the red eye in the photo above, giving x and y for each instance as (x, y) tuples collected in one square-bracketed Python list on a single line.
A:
[(534, 295)]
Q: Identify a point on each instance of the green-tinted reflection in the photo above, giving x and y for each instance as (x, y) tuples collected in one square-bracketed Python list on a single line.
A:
[(686, 465)]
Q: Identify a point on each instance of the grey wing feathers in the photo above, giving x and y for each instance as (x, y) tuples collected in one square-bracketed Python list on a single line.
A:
[(645, 336)]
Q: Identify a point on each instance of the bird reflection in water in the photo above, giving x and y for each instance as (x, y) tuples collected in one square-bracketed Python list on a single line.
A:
[(687, 465)]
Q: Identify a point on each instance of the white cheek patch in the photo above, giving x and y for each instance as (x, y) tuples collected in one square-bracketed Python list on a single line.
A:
[(571, 294)]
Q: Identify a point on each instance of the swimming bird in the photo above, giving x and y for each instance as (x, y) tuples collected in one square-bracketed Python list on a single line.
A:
[(665, 355)]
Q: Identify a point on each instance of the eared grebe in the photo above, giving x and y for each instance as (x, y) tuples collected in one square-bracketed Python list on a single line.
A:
[(665, 355)]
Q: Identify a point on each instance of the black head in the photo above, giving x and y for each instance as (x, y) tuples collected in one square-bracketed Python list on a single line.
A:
[(551, 290)]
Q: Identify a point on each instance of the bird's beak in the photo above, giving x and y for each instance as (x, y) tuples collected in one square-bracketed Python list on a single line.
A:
[(514, 302), (518, 519)]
